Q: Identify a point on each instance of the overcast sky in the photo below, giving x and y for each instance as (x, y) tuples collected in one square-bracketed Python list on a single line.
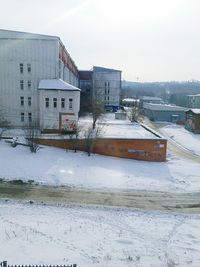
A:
[(149, 40)]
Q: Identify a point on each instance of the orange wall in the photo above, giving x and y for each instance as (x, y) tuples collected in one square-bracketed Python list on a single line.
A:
[(141, 149)]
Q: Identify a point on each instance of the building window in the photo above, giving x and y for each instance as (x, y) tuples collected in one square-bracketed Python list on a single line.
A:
[(21, 67), (70, 103), (29, 101), (22, 101), (108, 83), (47, 102), (108, 98), (29, 117), (62, 102), (22, 117), (105, 84), (55, 102), (29, 68), (29, 84), (108, 91), (21, 84)]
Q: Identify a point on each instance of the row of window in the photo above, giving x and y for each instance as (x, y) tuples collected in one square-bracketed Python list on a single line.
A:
[(55, 102), (22, 67), (22, 101), (22, 84), (107, 84), (23, 117), (107, 91)]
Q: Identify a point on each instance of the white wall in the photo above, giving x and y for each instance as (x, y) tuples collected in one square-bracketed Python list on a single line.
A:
[(43, 57), (49, 117)]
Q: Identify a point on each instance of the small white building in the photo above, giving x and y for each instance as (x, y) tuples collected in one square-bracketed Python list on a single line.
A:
[(59, 104)]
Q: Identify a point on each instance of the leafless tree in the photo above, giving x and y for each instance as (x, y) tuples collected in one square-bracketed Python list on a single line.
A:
[(32, 134), (4, 124), (91, 134), (74, 136)]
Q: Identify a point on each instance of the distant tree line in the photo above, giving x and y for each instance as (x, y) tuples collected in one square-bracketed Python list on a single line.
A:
[(171, 92)]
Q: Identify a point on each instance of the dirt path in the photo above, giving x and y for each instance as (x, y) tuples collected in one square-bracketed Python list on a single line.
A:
[(187, 203)]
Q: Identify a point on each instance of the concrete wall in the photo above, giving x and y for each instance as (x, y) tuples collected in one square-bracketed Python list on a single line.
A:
[(140, 149)]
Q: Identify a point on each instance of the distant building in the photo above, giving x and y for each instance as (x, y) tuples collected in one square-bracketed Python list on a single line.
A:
[(193, 101), (161, 112), (149, 99), (26, 60), (102, 85), (130, 102), (192, 123)]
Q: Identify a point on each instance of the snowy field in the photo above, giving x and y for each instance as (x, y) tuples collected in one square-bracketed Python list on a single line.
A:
[(183, 137), (55, 166), (89, 236)]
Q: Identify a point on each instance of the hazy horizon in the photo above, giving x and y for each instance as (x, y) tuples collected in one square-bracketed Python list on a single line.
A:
[(149, 40)]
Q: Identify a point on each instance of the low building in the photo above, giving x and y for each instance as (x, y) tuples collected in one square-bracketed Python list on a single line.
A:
[(59, 104), (192, 122), (150, 99), (161, 112)]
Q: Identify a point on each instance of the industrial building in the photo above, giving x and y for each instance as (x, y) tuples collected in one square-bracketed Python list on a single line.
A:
[(38, 81), (193, 101), (162, 112), (102, 85), (192, 123)]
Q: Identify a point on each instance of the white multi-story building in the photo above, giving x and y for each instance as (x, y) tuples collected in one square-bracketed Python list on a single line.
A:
[(106, 86), (25, 60)]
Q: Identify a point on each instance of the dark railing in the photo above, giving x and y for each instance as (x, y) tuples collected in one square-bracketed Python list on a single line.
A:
[(5, 264)]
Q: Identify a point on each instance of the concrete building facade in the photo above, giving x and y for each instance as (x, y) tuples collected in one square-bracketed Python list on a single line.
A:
[(101, 85), (25, 60)]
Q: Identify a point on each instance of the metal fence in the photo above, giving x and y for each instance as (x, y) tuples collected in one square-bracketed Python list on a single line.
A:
[(5, 264)]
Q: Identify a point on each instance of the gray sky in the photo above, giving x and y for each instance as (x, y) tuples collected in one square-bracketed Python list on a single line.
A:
[(149, 40)]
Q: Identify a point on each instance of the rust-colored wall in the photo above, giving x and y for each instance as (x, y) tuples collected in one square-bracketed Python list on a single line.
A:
[(141, 149)]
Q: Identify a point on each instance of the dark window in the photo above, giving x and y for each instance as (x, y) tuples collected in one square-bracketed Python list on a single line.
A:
[(55, 102), (21, 67), (29, 68), (21, 84), (22, 116), (62, 102), (70, 103), (29, 101), (29, 117), (22, 101), (29, 84), (47, 102)]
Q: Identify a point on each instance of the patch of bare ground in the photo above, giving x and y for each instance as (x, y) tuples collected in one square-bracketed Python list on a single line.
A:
[(160, 201)]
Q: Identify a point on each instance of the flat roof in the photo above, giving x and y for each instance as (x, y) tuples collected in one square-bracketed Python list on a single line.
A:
[(163, 107)]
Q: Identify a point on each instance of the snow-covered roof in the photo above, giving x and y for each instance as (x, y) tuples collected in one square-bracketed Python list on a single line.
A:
[(130, 100), (56, 84), (24, 35), (194, 110), (151, 98), (164, 107)]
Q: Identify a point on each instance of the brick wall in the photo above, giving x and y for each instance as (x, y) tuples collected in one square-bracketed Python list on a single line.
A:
[(141, 149)]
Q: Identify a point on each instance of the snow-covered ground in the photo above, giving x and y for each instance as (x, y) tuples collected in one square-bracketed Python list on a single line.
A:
[(90, 236), (57, 167), (183, 137)]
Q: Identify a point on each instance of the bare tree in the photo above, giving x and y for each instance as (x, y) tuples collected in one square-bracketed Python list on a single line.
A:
[(91, 134), (4, 124), (74, 136), (32, 134)]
